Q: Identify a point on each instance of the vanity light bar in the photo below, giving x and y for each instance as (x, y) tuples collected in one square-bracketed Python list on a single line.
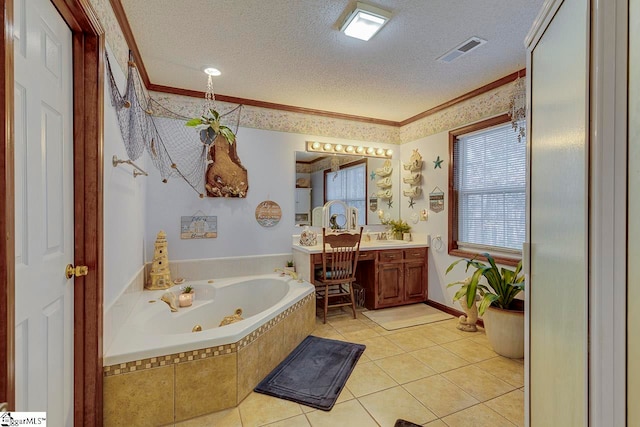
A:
[(357, 150)]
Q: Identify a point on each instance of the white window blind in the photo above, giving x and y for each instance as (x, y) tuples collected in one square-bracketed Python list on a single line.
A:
[(489, 176), (349, 185)]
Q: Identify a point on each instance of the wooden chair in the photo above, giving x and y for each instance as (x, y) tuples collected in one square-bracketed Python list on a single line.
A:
[(339, 261)]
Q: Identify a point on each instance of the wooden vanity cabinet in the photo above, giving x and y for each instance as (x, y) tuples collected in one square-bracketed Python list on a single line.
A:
[(415, 275), (401, 278), (390, 277), (414, 282), (390, 289)]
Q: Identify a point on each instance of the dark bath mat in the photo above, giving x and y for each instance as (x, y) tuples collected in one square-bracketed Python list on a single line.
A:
[(314, 373), (405, 423)]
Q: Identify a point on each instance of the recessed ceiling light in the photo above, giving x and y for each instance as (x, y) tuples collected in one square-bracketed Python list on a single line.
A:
[(211, 71), (365, 21)]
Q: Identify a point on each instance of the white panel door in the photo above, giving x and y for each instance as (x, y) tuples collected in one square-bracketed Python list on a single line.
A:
[(558, 281), (44, 211)]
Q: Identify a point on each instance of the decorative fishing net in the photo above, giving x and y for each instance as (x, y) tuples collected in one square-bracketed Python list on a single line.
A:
[(146, 125)]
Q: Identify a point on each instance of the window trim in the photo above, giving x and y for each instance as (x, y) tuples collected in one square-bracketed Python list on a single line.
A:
[(453, 249), (366, 183)]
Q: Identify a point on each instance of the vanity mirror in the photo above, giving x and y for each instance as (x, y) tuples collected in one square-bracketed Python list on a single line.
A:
[(372, 185)]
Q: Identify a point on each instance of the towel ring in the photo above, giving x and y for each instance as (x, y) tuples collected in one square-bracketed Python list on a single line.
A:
[(437, 243)]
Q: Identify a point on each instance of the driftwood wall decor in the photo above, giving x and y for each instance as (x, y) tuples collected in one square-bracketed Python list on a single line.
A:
[(225, 177)]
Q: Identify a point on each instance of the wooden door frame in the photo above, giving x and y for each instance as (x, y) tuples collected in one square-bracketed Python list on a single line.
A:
[(88, 132)]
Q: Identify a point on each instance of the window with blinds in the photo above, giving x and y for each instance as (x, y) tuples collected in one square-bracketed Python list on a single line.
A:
[(490, 180), (349, 185)]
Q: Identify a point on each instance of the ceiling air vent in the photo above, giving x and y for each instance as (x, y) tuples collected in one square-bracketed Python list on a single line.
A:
[(462, 49)]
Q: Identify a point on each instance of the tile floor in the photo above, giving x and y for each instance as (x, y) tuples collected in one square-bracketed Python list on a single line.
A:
[(433, 375)]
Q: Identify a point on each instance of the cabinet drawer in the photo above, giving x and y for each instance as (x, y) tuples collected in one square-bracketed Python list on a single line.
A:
[(415, 253), (390, 256), (366, 255)]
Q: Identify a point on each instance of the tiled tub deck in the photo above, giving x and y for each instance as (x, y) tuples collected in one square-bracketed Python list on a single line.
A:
[(171, 388)]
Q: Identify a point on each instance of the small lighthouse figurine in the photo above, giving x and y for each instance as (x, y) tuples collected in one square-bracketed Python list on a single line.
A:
[(160, 276)]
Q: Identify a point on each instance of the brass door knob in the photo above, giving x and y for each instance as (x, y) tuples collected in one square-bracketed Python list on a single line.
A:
[(79, 270)]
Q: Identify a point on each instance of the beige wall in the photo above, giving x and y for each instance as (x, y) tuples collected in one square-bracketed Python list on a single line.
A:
[(633, 356)]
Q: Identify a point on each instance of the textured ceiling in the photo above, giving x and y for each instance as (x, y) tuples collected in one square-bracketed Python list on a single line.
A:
[(291, 52)]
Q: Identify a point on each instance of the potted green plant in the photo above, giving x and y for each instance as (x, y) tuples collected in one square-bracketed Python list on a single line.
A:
[(290, 266), (502, 313), (210, 128), (398, 228), (185, 299)]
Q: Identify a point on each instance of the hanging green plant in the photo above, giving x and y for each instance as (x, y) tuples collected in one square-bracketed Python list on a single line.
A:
[(211, 128)]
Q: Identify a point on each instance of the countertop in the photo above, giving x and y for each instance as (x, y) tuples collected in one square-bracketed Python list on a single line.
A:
[(373, 245)]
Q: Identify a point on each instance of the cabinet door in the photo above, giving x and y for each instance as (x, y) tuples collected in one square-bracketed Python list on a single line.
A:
[(390, 278), (415, 281)]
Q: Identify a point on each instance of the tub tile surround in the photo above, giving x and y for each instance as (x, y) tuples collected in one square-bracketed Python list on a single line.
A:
[(204, 381), (436, 393), (215, 268), (148, 394), (256, 359), (193, 386)]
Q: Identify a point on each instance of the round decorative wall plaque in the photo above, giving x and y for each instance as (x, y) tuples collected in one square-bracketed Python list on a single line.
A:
[(268, 213)]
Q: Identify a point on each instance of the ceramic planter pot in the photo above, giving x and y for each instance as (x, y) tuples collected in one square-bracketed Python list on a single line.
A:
[(185, 300), (505, 331)]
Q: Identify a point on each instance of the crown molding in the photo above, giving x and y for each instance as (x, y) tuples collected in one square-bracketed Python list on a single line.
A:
[(271, 105)]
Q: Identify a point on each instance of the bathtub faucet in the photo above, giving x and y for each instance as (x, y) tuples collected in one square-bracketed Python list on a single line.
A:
[(293, 274)]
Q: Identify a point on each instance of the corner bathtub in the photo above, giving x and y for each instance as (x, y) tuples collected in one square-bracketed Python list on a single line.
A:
[(152, 330)]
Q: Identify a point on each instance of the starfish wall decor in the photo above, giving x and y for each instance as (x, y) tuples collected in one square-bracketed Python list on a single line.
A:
[(437, 163)]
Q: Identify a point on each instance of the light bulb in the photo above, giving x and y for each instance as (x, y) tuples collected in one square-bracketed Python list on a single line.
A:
[(379, 151), (349, 149), (338, 147), (370, 150), (327, 147), (359, 150), (389, 152), (315, 145)]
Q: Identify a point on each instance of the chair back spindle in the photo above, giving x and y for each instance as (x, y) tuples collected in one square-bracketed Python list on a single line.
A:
[(339, 261)]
